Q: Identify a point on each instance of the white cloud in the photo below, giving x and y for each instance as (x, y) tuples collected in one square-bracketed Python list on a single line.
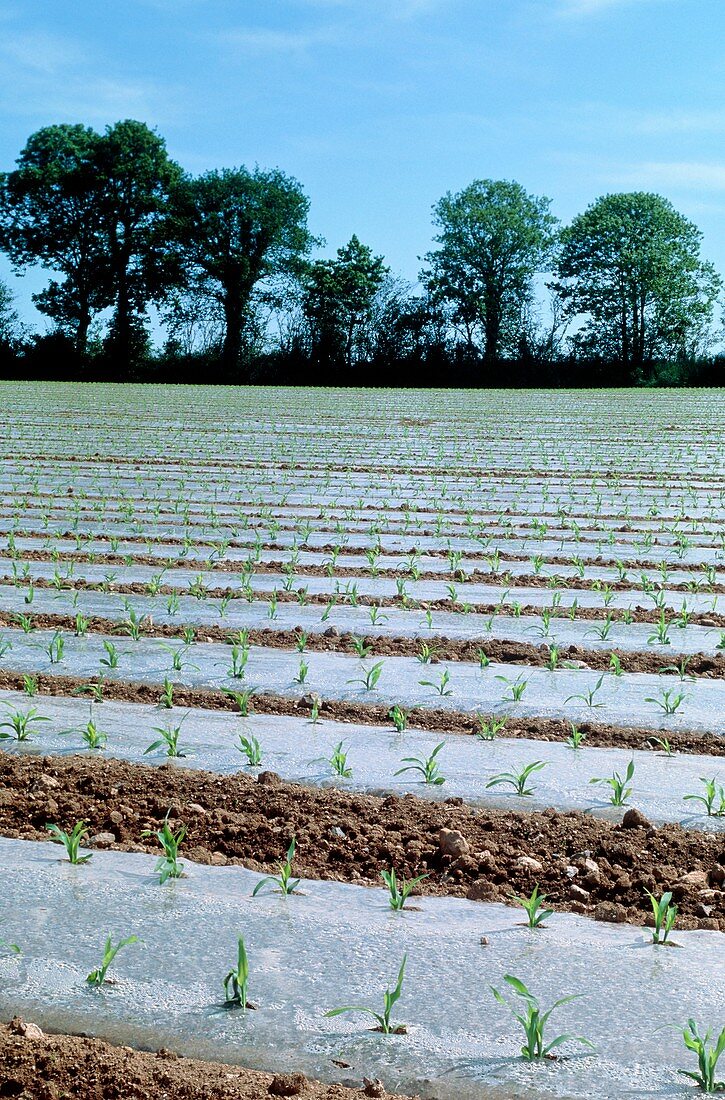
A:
[(684, 175), (56, 79), (267, 40), (582, 8)]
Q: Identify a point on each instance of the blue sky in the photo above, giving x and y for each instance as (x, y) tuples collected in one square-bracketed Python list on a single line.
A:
[(380, 106)]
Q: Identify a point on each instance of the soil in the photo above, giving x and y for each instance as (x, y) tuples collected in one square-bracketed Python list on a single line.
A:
[(444, 649), (67, 1067), (352, 837), (229, 566), (429, 718)]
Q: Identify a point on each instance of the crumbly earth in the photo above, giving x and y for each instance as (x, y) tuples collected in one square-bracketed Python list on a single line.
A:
[(35, 1066), (333, 640), (581, 863), (423, 718)]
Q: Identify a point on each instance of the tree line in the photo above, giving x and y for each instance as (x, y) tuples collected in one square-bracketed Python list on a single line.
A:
[(223, 263)]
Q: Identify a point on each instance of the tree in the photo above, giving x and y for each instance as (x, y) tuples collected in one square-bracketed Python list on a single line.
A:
[(340, 296), (493, 238), (11, 329), (630, 269), (138, 178), (236, 228), (51, 213)]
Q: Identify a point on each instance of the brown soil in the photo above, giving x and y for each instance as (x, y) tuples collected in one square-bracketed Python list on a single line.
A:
[(587, 536), (444, 649), (360, 507), (330, 548), (68, 1067), (312, 467), (250, 820), (439, 721)]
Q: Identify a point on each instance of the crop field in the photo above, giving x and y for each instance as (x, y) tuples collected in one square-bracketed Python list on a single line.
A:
[(346, 733)]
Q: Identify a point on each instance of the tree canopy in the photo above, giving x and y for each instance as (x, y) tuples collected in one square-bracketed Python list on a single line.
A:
[(237, 227), (492, 239), (630, 270)]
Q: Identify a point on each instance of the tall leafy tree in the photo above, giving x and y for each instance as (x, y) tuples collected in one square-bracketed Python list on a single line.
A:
[(630, 270), (340, 296), (237, 228), (492, 239), (138, 178), (52, 214)]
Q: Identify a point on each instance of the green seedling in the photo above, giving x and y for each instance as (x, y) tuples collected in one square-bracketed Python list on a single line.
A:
[(11, 947), (489, 728), (71, 841), (518, 780), (515, 688), (588, 697), (251, 748), (338, 762), (390, 997), (533, 907), (620, 791), (169, 740), (400, 889), (111, 658), (713, 799), (362, 650), (237, 980), (707, 1057), (21, 724), (302, 673), (93, 737), (576, 738), (426, 653), (665, 915), (94, 690), (240, 656), (168, 865), (166, 698), (399, 718), (283, 879), (427, 767), (440, 688), (30, 686), (370, 677), (242, 699), (534, 1021), (483, 659), (56, 648), (98, 976), (669, 701)]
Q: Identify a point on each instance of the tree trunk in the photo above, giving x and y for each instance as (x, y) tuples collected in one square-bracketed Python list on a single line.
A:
[(81, 340), (233, 320)]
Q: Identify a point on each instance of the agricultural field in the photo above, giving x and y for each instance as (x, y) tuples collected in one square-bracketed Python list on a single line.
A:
[(345, 733)]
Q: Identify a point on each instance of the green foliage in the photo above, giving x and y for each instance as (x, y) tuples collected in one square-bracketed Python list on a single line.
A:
[(533, 907), (390, 998), (533, 1021), (399, 889), (283, 880), (168, 865), (631, 266), (427, 767), (492, 239), (707, 1057), (518, 780), (71, 841), (98, 976), (620, 791), (237, 980)]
